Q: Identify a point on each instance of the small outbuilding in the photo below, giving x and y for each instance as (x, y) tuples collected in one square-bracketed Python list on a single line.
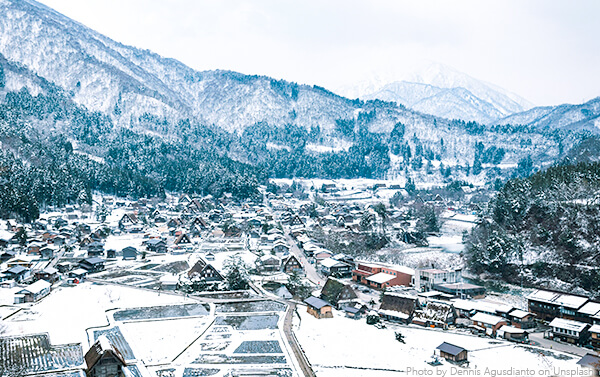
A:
[(318, 308), (452, 353)]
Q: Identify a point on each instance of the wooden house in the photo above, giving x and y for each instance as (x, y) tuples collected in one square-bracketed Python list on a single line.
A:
[(595, 337), (590, 362), (488, 323), (50, 274), (156, 245), (104, 360), (35, 291), (547, 305), (93, 264), (330, 266), (268, 263), (95, 249), (291, 264), (337, 292), (521, 319), (204, 271), (129, 253), (512, 333), (127, 220), (397, 307), (18, 273), (569, 331), (452, 353), (183, 239), (318, 308)]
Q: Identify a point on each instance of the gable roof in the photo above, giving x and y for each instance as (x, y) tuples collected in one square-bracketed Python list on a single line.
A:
[(93, 260), (16, 270), (102, 347), (450, 349), (589, 361), (334, 291), (316, 302), (568, 324), (487, 318), (559, 299), (36, 287)]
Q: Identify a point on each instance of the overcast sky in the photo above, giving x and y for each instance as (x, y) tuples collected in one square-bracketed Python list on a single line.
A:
[(546, 51)]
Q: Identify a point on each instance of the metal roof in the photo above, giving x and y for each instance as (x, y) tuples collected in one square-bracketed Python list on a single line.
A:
[(450, 349), (316, 302)]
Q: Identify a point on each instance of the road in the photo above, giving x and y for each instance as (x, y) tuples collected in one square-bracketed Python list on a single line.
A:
[(309, 268), (537, 338), (296, 348)]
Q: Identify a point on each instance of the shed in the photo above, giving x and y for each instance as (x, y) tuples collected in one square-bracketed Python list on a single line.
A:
[(318, 308), (452, 353), (129, 252)]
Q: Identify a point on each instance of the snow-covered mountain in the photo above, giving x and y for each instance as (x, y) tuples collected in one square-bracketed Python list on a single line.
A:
[(445, 92), (585, 116), (42, 50)]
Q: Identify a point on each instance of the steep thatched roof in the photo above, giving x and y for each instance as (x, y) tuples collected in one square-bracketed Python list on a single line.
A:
[(335, 291)]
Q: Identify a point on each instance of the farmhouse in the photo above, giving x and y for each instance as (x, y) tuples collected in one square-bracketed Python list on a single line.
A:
[(204, 271), (397, 307), (104, 360), (337, 293)]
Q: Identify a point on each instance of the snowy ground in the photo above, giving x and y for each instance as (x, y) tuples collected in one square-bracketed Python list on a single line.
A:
[(237, 337), (347, 347), (68, 311)]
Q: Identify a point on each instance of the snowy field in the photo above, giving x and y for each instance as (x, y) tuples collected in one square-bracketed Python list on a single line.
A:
[(346, 347), (68, 311)]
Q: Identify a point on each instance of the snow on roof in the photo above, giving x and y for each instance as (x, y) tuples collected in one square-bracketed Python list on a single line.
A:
[(429, 293), (267, 257), (316, 302), (393, 313), (435, 271), (381, 278), (568, 324), (511, 330), (595, 329), (591, 308), (330, 262), (36, 287), (487, 318), (49, 270), (557, 298), (518, 313), (569, 301)]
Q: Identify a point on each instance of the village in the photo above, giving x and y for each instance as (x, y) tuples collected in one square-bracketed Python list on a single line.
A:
[(192, 285)]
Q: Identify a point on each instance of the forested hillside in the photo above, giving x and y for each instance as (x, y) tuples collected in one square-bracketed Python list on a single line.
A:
[(543, 230)]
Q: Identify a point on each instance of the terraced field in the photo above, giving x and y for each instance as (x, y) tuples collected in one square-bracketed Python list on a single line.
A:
[(37, 354)]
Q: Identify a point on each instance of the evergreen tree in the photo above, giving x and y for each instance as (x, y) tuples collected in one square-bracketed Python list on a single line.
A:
[(236, 273)]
